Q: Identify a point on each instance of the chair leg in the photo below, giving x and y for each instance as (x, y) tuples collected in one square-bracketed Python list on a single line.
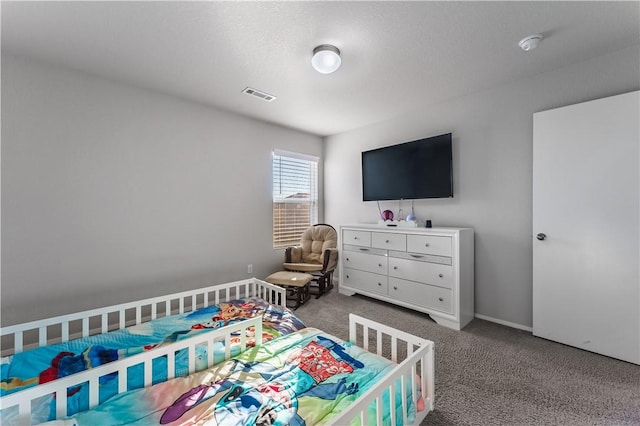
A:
[(299, 298), (306, 294), (321, 286)]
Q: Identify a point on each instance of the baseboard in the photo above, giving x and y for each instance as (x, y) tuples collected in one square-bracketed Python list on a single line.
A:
[(482, 317), (507, 323)]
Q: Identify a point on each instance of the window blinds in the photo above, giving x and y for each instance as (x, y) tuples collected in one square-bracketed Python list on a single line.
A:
[(295, 196)]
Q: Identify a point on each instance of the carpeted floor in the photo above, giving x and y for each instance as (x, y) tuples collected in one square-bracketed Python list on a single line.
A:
[(489, 374)]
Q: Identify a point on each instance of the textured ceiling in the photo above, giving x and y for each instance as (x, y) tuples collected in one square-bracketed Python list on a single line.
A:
[(397, 57)]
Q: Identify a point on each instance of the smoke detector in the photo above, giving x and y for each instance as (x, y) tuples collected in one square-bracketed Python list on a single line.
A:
[(530, 42)]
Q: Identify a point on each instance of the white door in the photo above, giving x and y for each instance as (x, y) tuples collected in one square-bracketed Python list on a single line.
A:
[(586, 280)]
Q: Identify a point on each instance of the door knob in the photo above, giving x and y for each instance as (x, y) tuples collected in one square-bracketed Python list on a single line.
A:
[(541, 236)]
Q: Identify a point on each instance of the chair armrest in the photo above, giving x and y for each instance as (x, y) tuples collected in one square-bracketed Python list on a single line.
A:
[(330, 260), (293, 254)]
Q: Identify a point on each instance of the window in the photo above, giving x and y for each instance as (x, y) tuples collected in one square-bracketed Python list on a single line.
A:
[(295, 196)]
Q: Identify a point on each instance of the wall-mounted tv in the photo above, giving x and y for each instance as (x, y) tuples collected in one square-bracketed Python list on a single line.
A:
[(410, 170)]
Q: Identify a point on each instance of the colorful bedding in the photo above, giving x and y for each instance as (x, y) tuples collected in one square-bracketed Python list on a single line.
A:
[(304, 378), (47, 363)]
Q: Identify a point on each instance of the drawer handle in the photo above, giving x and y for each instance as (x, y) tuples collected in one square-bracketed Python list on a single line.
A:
[(347, 259), (441, 299), (417, 256), (395, 267), (380, 265), (380, 284), (440, 275), (426, 245), (364, 249), (355, 238), (386, 241), (347, 276), (395, 288)]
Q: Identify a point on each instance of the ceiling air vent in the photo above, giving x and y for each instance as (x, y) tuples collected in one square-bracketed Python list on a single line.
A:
[(258, 94)]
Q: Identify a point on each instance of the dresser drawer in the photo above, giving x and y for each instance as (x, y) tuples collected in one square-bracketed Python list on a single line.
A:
[(356, 238), (365, 262), (429, 244), (365, 281), (369, 250), (421, 294), (424, 272), (443, 260), (389, 241)]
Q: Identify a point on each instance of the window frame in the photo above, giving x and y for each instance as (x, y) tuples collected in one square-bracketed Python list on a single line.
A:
[(288, 234)]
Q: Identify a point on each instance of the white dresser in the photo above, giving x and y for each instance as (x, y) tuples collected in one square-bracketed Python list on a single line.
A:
[(426, 269)]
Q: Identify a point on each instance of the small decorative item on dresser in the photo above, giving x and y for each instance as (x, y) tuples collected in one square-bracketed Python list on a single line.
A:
[(427, 224), (412, 215), (387, 215)]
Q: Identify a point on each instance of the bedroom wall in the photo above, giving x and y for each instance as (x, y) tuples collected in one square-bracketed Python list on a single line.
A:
[(492, 160), (111, 193)]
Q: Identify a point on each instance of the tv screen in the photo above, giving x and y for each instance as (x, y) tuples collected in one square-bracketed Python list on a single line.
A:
[(410, 170)]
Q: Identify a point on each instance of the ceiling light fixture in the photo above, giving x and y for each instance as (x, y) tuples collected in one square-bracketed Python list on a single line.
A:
[(326, 58), (530, 42)]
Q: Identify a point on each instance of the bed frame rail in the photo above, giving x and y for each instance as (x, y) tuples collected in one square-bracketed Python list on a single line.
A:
[(101, 320), (23, 399), (415, 372)]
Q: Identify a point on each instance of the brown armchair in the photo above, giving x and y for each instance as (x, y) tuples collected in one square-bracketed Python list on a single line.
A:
[(317, 255)]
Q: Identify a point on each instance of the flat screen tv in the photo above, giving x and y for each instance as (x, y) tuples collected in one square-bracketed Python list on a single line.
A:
[(410, 170)]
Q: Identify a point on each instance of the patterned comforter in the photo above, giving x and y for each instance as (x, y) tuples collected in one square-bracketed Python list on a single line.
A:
[(304, 378)]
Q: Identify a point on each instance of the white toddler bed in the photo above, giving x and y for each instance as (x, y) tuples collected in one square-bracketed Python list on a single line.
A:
[(38, 352), (25, 336), (403, 394), (25, 407)]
